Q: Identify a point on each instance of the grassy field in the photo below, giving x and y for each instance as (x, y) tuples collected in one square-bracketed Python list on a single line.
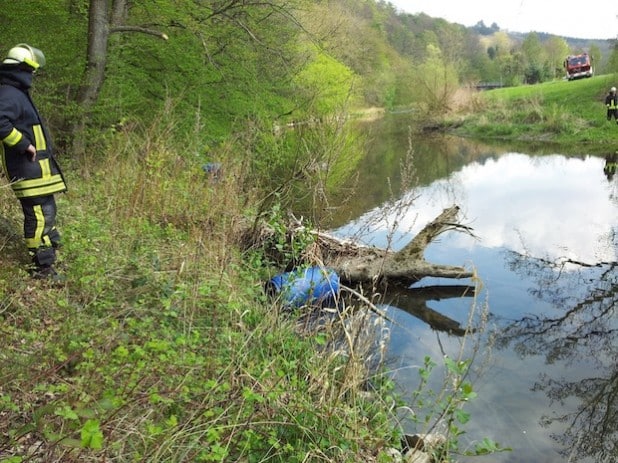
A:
[(571, 114)]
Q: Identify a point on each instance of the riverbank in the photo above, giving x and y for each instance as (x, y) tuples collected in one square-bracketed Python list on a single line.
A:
[(160, 345), (568, 114)]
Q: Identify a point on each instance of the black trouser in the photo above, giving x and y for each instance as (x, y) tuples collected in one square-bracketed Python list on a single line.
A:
[(612, 113), (40, 229)]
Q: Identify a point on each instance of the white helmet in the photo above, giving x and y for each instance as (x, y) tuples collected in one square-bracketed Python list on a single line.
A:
[(24, 53), (613, 89)]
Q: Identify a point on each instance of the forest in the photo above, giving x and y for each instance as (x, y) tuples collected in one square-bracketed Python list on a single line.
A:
[(223, 64)]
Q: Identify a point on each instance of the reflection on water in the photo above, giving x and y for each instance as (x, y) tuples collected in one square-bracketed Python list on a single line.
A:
[(547, 256), (582, 333), (415, 302)]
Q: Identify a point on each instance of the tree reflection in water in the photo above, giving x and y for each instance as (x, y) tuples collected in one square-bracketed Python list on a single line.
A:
[(584, 328)]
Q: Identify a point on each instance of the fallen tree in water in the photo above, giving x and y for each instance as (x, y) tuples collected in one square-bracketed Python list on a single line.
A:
[(360, 264), (314, 276), (356, 263)]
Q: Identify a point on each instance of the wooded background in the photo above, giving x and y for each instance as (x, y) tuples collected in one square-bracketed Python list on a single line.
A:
[(222, 63)]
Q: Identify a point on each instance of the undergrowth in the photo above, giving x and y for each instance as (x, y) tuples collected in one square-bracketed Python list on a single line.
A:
[(161, 345)]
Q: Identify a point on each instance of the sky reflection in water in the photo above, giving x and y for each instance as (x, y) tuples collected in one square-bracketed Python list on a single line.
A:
[(547, 209), (545, 206)]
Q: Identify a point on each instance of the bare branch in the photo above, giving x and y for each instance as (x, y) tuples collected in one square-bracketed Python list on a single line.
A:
[(139, 29)]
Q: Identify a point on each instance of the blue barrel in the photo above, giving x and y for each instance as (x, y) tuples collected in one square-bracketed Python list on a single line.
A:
[(308, 286), (212, 169)]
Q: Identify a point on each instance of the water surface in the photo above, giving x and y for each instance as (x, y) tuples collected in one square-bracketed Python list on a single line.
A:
[(545, 249)]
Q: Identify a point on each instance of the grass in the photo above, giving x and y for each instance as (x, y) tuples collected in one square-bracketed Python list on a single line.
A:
[(161, 345), (569, 114)]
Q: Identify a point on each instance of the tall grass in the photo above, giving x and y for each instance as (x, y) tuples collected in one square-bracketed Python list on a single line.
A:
[(569, 113), (161, 345)]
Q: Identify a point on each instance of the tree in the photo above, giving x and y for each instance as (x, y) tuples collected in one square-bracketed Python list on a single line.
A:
[(326, 85), (482, 29), (595, 55), (104, 18), (612, 65), (437, 81), (499, 48), (556, 49), (535, 59)]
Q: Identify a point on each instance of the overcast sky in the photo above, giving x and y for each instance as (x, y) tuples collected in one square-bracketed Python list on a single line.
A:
[(589, 19)]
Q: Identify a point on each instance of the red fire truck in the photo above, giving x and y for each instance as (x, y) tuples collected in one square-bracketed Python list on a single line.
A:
[(578, 66)]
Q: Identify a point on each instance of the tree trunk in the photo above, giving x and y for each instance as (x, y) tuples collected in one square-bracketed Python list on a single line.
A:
[(94, 74), (359, 264), (98, 37), (104, 18), (362, 264)]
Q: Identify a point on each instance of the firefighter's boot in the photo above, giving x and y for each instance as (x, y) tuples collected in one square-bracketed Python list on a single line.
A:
[(43, 260)]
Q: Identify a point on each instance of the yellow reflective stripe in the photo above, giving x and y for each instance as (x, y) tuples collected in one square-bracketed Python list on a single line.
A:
[(2, 157), (42, 191), (45, 169), (37, 240), (32, 243), (31, 63), (13, 138), (39, 186), (39, 138), (37, 182)]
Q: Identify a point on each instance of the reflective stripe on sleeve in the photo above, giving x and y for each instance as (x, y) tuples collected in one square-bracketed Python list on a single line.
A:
[(13, 138)]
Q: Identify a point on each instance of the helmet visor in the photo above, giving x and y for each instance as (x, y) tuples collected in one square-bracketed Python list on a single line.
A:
[(39, 57)]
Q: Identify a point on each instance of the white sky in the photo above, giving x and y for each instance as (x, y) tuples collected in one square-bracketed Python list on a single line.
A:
[(590, 19)]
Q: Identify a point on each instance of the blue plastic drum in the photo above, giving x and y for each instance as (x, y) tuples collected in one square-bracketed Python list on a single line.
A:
[(309, 286)]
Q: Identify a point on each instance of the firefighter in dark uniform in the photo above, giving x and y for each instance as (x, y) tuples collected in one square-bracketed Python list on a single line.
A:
[(27, 157), (611, 103), (611, 165)]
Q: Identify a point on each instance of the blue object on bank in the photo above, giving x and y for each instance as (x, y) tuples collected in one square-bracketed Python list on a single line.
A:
[(309, 286), (213, 169)]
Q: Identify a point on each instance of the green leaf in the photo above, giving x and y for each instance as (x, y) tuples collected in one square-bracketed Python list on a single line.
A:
[(462, 416), (91, 435), (487, 446), (66, 412), (451, 365), (467, 391)]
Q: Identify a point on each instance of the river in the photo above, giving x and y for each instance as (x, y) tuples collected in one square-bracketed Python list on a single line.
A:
[(544, 249)]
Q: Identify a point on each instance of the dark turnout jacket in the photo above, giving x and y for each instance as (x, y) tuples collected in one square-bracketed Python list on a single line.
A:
[(20, 126)]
